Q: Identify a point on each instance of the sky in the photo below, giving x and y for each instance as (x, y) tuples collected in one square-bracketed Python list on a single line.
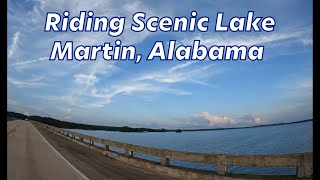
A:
[(163, 94)]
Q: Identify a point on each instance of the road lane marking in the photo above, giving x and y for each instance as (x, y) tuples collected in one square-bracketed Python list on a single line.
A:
[(12, 131), (74, 168)]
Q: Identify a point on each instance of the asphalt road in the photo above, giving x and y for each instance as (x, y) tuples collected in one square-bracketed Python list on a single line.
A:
[(31, 157), (36, 153)]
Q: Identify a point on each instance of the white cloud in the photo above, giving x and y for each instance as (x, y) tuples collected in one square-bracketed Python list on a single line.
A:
[(88, 93), (12, 102), (85, 79), (210, 120), (258, 120), (158, 82), (12, 48), (299, 35), (25, 84), (251, 119), (146, 87), (99, 68), (214, 120), (307, 41), (26, 63), (184, 72), (43, 67), (105, 96)]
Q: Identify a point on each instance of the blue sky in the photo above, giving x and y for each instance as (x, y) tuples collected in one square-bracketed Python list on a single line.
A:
[(168, 94)]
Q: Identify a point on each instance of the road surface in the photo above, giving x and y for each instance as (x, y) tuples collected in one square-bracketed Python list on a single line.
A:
[(36, 153), (31, 157)]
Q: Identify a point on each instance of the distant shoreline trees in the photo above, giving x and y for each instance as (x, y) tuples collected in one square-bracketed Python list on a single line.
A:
[(71, 125)]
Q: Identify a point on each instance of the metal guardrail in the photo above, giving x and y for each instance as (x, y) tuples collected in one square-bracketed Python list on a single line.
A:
[(302, 161)]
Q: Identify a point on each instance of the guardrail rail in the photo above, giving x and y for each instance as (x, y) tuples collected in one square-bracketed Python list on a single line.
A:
[(302, 161)]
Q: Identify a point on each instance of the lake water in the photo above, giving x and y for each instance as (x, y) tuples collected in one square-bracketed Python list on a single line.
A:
[(282, 139)]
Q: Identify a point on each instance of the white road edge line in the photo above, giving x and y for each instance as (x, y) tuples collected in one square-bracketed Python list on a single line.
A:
[(74, 168)]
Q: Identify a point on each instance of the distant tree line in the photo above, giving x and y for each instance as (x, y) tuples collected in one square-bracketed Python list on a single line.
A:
[(71, 125), (12, 115)]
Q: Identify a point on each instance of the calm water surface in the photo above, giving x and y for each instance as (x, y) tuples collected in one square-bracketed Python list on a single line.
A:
[(283, 139)]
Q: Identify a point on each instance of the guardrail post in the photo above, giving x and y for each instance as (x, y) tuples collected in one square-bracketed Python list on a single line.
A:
[(304, 168), (308, 165), (164, 161), (107, 148), (128, 153), (222, 165)]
